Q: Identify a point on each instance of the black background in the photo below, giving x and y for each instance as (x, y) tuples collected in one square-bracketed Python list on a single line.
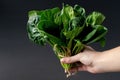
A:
[(20, 59)]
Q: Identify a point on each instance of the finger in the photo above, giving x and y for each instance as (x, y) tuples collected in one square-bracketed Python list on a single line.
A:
[(82, 68), (73, 70), (76, 69), (71, 59)]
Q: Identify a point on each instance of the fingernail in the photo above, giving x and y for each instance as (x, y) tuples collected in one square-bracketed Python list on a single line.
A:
[(62, 60)]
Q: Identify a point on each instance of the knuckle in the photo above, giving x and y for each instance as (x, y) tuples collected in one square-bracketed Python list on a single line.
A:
[(68, 60)]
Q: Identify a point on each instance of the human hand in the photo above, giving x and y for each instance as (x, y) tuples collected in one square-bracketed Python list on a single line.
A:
[(94, 61), (87, 58)]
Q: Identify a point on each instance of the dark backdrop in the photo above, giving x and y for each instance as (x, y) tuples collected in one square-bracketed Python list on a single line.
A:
[(20, 59)]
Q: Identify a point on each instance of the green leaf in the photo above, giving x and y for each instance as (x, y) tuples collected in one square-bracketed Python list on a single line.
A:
[(67, 13), (39, 31), (73, 33), (58, 18), (79, 18), (68, 10), (100, 33), (46, 22), (79, 11), (89, 35), (95, 18)]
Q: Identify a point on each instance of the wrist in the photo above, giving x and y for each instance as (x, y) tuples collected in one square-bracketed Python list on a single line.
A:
[(98, 62), (107, 61)]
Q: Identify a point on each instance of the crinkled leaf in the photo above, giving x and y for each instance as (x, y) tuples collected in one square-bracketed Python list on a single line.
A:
[(73, 33), (79, 11), (76, 20), (37, 32), (95, 18), (46, 22), (58, 18), (67, 13)]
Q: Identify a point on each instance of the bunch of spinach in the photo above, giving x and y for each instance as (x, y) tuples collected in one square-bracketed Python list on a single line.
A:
[(67, 30)]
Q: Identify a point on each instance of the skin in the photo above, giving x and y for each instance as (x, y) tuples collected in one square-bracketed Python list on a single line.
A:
[(95, 61)]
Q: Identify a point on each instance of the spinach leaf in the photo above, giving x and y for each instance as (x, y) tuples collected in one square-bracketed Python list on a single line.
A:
[(100, 33), (40, 25), (95, 18), (89, 35)]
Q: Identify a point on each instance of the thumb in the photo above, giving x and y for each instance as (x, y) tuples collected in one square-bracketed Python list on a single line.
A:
[(71, 59), (86, 59)]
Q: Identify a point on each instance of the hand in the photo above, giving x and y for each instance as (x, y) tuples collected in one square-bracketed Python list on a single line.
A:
[(96, 62), (87, 58)]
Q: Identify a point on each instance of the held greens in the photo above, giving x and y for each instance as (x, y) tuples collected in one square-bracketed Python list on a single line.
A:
[(67, 30)]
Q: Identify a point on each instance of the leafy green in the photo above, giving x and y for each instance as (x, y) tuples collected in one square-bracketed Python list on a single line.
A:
[(95, 18), (41, 27), (67, 30)]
